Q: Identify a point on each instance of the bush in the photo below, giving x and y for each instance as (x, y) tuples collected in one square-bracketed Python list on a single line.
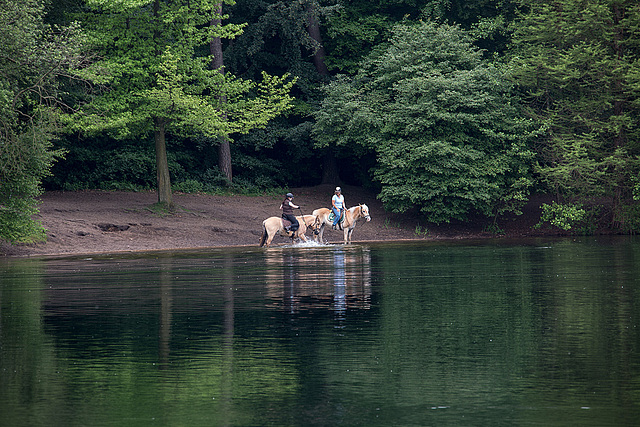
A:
[(563, 216)]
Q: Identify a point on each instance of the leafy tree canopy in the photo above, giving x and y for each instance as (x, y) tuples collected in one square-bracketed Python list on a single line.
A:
[(154, 66), (34, 59), (360, 25), (155, 75), (577, 65), (442, 121)]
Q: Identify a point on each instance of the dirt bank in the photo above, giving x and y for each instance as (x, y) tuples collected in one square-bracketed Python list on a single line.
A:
[(100, 221)]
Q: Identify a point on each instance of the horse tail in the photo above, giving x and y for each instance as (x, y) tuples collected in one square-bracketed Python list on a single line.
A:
[(263, 237)]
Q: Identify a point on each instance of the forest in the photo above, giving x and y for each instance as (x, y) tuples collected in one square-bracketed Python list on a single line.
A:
[(452, 108)]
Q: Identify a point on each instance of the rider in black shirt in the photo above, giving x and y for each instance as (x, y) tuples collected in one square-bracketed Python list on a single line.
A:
[(287, 207)]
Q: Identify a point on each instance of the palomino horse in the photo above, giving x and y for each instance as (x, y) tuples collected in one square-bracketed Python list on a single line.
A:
[(351, 215), (273, 225)]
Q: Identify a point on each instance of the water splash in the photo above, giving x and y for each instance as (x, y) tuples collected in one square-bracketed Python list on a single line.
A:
[(307, 244)]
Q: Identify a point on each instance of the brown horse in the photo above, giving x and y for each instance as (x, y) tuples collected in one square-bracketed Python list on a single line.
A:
[(351, 215), (273, 225)]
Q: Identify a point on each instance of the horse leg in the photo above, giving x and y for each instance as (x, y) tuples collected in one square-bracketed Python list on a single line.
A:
[(318, 237), (270, 238), (347, 235), (324, 228), (263, 237)]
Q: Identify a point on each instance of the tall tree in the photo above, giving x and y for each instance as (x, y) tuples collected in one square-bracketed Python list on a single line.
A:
[(152, 77), (577, 63), (441, 120), (217, 63), (330, 172), (285, 36), (34, 58)]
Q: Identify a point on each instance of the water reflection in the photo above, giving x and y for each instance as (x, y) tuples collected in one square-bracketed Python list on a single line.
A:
[(166, 303), (430, 334), (336, 278), (340, 290)]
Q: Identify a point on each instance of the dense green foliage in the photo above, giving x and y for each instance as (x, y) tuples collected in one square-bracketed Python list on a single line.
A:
[(358, 26), (414, 98), (33, 60), (441, 120), (154, 78), (578, 63)]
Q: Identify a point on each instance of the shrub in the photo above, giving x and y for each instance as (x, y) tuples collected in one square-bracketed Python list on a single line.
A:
[(563, 216)]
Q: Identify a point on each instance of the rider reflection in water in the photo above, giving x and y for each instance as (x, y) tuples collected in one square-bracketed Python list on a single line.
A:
[(287, 207), (339, 288)]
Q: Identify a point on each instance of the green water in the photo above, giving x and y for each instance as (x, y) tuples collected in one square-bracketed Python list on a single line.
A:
[(535, 332)]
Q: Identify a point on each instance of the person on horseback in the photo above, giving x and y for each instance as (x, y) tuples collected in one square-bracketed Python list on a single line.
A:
[(287, 207), (337, 206)]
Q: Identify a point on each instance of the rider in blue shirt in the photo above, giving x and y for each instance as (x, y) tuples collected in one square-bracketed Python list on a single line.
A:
[(337, 206)]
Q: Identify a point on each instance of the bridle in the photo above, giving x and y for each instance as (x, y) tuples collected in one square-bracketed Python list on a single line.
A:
[(362, 214)]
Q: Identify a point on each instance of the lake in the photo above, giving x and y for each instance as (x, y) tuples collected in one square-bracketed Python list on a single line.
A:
[(540, 332)]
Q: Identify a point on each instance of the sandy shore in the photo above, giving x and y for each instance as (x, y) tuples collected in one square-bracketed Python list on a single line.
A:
[(104, 222)]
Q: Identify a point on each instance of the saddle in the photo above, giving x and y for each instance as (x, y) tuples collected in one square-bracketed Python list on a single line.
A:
[(286, 224)]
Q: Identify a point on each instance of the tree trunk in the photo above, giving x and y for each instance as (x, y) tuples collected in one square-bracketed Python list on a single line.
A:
[(162, 165), (313, 28), (619, 102), (620, 140), (215, 47), (224, 158), (330, 173)]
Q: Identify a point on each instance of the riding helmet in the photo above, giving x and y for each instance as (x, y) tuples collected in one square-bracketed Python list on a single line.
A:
[(290, 195)]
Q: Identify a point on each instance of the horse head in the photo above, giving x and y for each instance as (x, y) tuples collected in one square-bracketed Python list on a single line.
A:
[(364, 211), (315, 225)]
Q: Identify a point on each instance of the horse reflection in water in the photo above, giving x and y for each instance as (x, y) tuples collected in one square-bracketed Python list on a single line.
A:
[(334, 279)]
